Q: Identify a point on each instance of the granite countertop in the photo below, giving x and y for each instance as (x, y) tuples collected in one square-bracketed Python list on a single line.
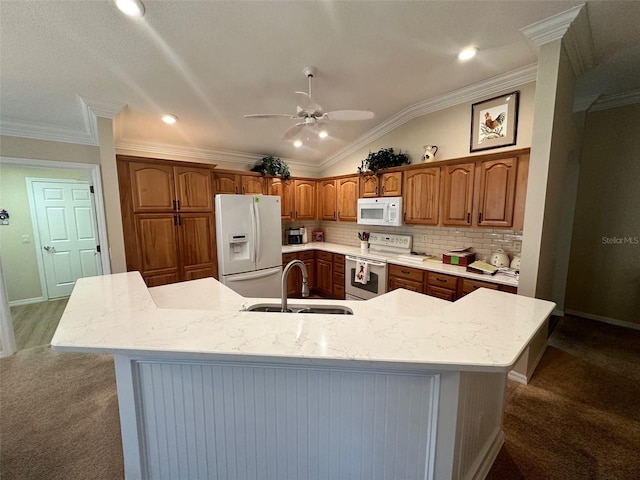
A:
[(430, 265), (117, 314)]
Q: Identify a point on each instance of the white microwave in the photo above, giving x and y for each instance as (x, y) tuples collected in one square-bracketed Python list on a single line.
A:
[(385, 211)]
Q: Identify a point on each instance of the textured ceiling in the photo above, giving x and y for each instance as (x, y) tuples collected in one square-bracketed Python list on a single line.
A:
[(211, 62)]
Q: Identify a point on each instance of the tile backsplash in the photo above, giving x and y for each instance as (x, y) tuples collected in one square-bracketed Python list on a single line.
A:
[(429, 240)]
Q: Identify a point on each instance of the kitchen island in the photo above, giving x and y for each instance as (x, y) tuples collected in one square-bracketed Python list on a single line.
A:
[(409, 386)]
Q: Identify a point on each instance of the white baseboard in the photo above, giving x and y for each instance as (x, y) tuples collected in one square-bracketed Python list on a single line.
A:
[(600, 318), (27, 301), (522, 378), (557, 312), (517, 377)]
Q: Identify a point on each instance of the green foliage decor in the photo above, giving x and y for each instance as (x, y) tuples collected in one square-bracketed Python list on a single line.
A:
[(272, 166), (383, 158)]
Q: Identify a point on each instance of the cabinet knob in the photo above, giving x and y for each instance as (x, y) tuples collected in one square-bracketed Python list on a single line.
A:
[(175, 207), (178, 203), (468, 218), (383, 190), (480, 217)]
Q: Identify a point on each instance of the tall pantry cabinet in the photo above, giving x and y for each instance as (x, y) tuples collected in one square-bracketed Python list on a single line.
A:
[(168, 219)]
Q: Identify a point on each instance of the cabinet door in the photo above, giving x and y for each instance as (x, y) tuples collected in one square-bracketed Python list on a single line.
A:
[(197, 242), (348, 199), (252, 185), (158, 248), (457, 195), (391, 184), (193, 189), (421, 194), (324, 277), (282, 188), (368, 186), (310, 263), (327, 200), (497, 192), (227, 183), (304, 198), (152, 187)]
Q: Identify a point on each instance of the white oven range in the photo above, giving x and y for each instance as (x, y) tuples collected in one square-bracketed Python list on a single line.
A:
[(375, 266)]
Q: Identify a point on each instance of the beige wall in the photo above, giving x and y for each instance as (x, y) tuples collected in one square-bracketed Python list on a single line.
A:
[(18, 258), (604, 269), (449, 129), (17, 147)]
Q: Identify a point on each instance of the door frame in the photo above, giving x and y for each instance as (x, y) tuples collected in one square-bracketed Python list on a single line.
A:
[(95, 179), (36, 225)]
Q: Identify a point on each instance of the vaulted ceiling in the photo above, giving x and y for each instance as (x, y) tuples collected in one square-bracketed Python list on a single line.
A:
[(212, 62)]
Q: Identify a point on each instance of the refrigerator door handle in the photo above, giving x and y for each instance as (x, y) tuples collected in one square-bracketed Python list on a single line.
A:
[(254, 235), (240, 277), (258, 231)]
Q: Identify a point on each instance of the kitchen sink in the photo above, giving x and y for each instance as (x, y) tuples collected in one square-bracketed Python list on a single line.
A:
[(322, 309)]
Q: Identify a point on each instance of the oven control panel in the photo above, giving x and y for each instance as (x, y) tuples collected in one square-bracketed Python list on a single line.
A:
[(385, 242)]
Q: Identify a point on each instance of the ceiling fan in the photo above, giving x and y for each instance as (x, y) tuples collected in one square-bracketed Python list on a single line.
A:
[(311, 114)]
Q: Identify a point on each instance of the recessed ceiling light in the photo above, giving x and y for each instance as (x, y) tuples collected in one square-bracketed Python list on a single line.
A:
[(467, 54), (297, 143), (169, 118), (132, 8), (323, 134)]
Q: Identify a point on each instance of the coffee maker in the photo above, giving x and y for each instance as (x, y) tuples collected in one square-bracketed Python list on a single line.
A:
[(293, 236)]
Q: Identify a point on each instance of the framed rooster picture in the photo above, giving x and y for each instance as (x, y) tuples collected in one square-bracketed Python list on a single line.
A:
[(494, 122)]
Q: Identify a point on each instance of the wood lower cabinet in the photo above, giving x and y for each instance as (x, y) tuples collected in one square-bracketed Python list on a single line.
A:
[(168, 219), (324, 274), (466, 286), (338, 276), (406, 277), (421, 196), (294, 280), (442, 286)]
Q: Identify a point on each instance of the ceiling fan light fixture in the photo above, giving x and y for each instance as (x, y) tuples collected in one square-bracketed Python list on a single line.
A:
[(131, 8), (323, 134), (169, 118), (467, 53), (297, 143)]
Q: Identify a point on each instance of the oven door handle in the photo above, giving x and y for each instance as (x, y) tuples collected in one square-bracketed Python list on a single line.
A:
[(370, 262)]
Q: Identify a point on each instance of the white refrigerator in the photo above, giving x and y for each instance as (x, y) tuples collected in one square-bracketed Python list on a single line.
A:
[(249, 243)]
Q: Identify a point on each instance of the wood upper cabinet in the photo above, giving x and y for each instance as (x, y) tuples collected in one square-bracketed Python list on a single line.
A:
[(152, 187), (496, 192), (304, 199), (384, 185), (457, 194), (232, 183), (347, 199), (327, 200), (193, 189), (283, 189), (421, 196), (251, 185)]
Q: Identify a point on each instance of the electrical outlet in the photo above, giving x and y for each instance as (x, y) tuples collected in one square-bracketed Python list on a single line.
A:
[(425, 238), (517, 246), (26, 239)]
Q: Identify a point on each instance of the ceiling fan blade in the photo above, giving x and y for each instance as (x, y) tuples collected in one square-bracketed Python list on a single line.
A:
[(293, 131), (344, 115), (270, 115)]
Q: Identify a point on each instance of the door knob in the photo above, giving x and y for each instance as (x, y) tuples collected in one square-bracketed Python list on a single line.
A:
[(49, 249)]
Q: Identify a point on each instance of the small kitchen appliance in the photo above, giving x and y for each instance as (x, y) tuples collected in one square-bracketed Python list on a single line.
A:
[(294, 236)]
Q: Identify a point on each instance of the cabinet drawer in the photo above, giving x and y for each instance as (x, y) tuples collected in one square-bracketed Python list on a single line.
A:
[(409, 273), (338, 279), (508, 289), (307, 255), (443, 281), (287, 257), (338, 267), (397, 282), (443, 293), (324, 255), (469, 286), (338, 291)]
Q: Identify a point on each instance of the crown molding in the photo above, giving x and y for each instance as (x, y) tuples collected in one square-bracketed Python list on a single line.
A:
[(552, 28), (137, 146), (583, 104), (578, 43), (605, 102), (475, 92), (89, 109)]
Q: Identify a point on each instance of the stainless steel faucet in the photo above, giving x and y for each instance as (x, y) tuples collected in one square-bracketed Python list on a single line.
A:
[(285, 275)]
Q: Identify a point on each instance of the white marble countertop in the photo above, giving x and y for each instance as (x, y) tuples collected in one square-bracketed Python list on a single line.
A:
[(430, 265), (485, 331)]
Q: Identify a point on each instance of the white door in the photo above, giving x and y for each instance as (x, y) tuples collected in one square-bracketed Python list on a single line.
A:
[(67, 234)]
